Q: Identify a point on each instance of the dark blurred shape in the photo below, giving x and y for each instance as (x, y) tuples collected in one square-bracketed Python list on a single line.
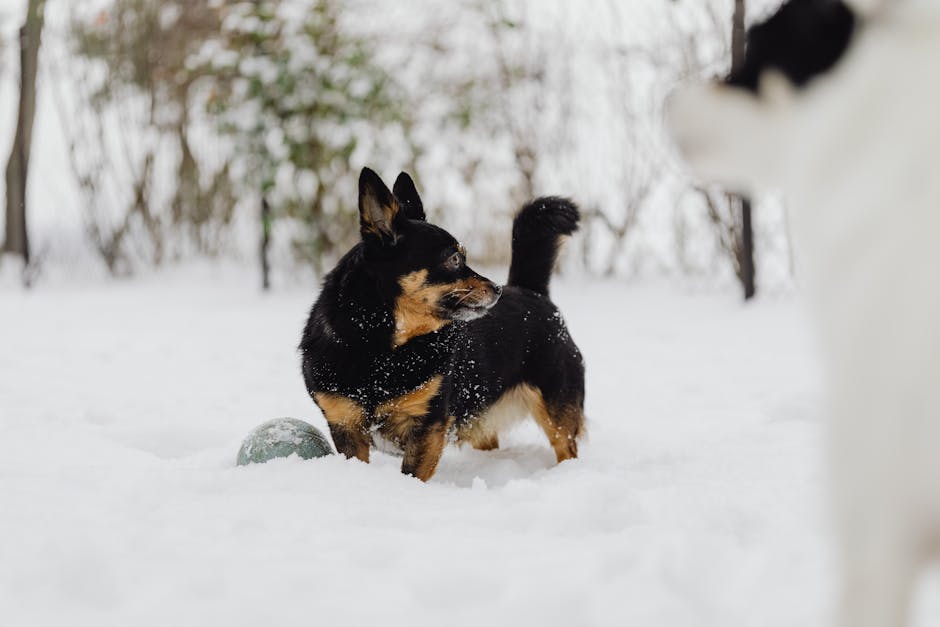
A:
[(744, 247), (803, 39), (266, 224), (16, 241)]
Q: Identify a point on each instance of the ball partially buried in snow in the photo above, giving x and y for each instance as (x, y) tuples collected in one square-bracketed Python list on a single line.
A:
[(283, 437)]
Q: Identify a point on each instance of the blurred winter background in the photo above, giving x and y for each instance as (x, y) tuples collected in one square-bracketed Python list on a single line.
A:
[(161, 126), (186, 152)]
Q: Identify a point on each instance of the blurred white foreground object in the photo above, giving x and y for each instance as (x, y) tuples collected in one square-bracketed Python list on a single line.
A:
[(856, 152)]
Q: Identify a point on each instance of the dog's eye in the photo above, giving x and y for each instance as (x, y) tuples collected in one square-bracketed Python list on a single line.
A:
[(454, 262)]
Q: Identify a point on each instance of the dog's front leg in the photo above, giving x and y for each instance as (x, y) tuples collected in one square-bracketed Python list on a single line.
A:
[(348, 425), (424, 446), (420, 421), (351, 441)]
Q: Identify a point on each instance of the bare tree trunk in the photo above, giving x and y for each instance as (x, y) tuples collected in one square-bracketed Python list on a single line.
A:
[(738, 35), (16, 241), (745, 251), (266, 223)]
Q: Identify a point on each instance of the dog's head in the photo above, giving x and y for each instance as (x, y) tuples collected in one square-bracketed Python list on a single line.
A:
[(419, 267)]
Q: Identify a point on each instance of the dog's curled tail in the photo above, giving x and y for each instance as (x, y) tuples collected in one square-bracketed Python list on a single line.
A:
[(537, 234)]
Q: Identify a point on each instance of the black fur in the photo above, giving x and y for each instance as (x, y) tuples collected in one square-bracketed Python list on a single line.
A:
[(407, 195), (350, 351), (803, 39), (536, 235)]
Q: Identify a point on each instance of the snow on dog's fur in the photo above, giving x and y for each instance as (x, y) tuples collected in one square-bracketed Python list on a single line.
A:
[(855, 149)]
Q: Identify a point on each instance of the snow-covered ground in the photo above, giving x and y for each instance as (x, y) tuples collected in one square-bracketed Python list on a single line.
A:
[(697, 500)]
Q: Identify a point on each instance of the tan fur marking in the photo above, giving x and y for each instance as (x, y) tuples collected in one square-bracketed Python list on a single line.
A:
[(416, 308), (474, 284), (562, 425), (347, 421), (487, 442), (423, 455), (378, 218), (399, 414), (340, 410), (509, 409)]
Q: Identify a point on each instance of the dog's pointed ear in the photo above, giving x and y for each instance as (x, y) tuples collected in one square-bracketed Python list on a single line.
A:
[(378, 208), (407, 195)]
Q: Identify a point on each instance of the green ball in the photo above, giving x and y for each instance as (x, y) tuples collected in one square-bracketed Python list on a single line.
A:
[(283, 437)]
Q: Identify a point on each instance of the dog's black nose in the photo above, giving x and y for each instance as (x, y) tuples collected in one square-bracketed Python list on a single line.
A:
[(498, 289)]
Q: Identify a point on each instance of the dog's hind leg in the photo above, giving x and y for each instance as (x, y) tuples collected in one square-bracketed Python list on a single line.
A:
[(562, 425), (562, 422)]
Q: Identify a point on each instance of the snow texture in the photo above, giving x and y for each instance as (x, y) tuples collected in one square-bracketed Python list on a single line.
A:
[(696, 500)]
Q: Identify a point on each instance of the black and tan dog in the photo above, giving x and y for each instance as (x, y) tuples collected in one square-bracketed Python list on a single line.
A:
[(409, 344)]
